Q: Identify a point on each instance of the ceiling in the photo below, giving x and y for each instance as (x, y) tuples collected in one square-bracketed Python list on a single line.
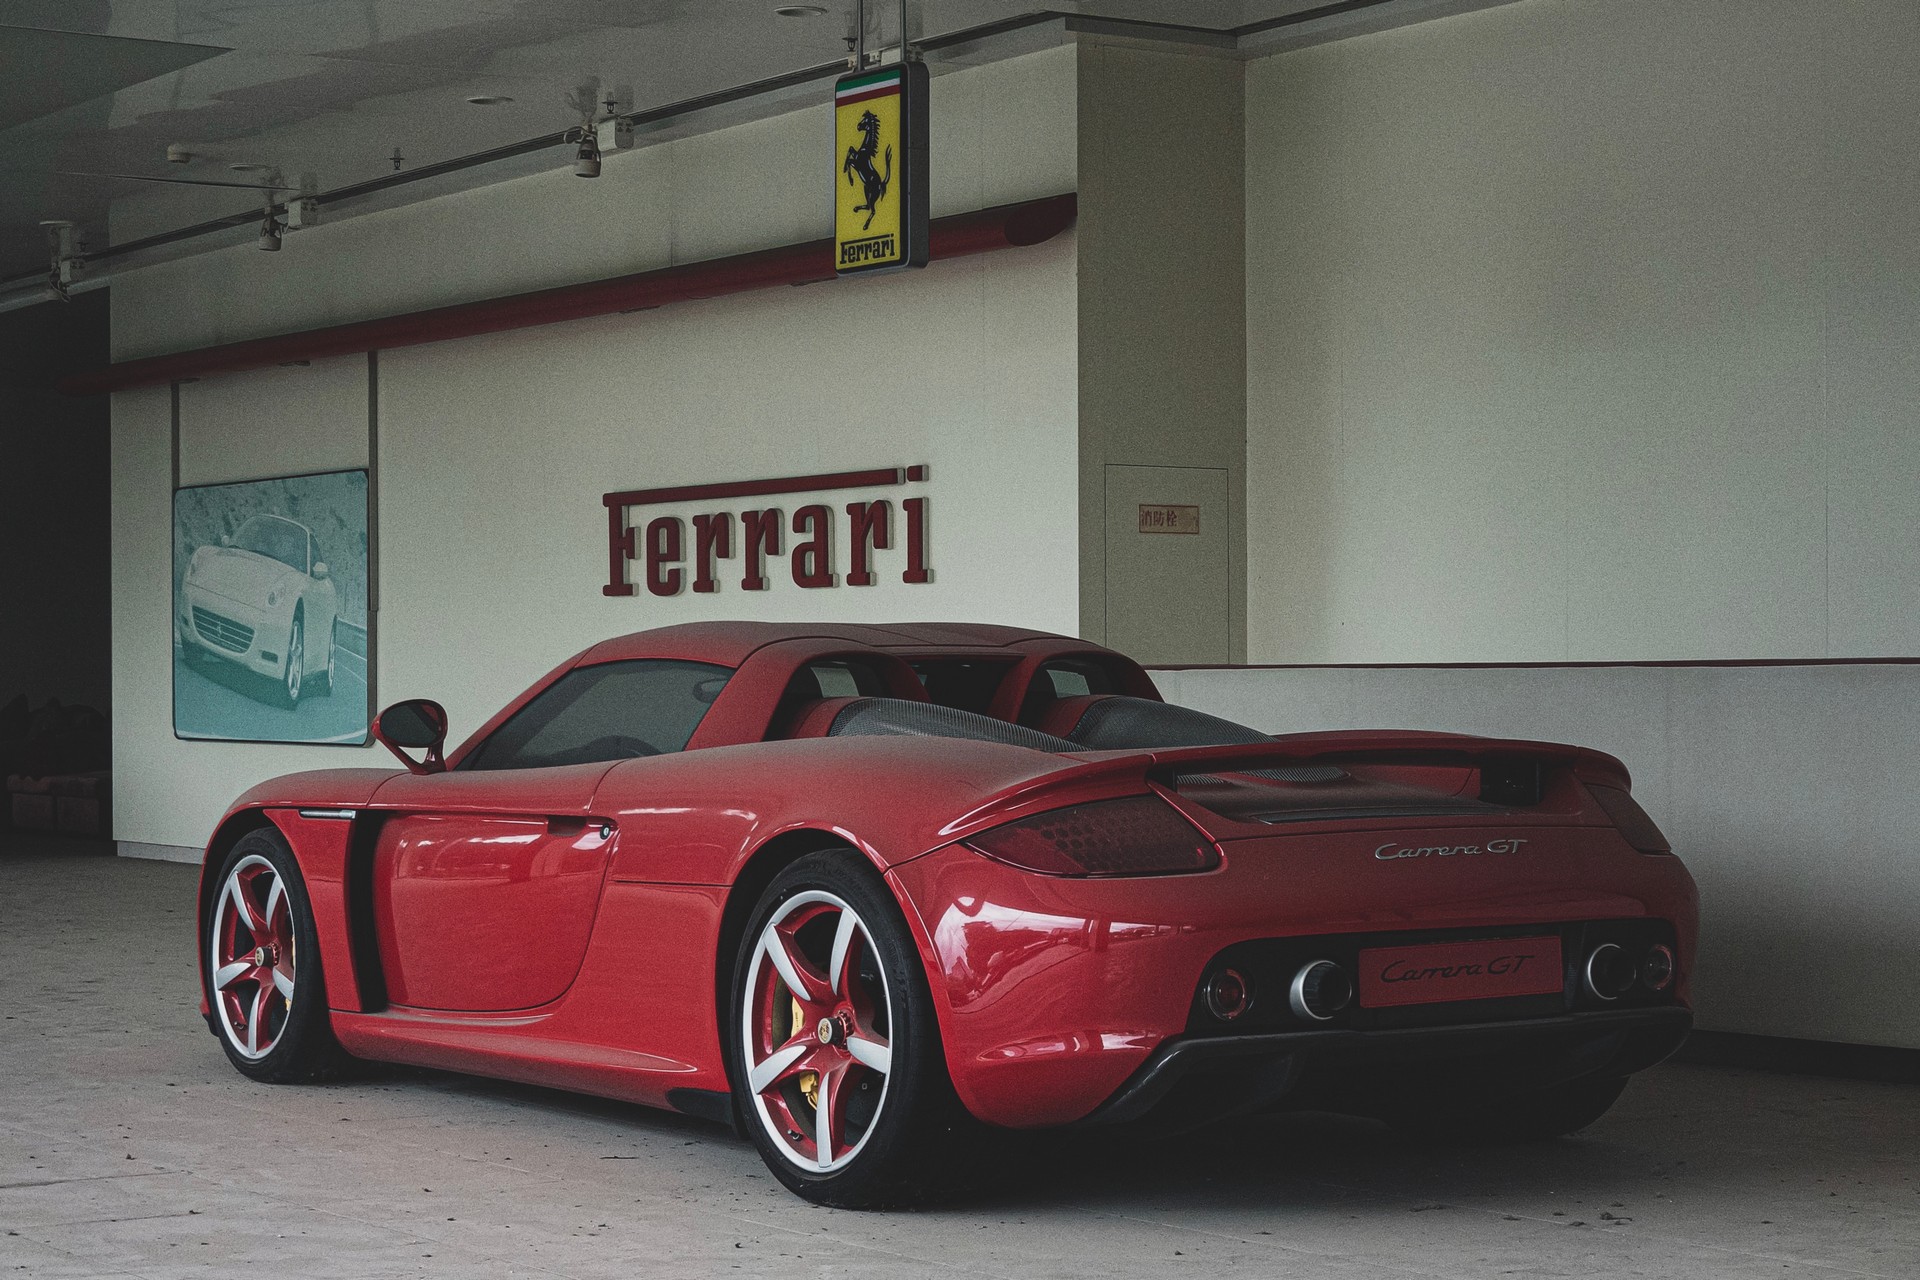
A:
[(371, 92)]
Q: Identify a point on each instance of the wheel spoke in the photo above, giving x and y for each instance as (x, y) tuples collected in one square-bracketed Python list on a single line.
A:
[(258, 1016), (842, 949), (274, 896), (248, 916), (283, 983), (227, 974), (779, 951), (874, 1054), (826, 1116), (764, 1076)]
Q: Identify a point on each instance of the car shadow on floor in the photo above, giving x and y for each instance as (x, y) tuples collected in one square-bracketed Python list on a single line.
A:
[(1298, 1158)]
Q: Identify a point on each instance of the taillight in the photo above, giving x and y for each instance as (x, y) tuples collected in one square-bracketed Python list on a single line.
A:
[(1138, 836), (1634, 825)]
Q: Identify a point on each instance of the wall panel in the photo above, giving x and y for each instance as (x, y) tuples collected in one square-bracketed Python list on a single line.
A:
[(1582, 331)]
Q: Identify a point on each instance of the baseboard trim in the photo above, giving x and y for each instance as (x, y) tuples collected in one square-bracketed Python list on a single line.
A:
[(1886, 1064), (159, 852)]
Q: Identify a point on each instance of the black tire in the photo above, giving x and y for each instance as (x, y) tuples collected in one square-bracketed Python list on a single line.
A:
[(302, 1046), (1523, 1115), (917, 1140), (293, 682)]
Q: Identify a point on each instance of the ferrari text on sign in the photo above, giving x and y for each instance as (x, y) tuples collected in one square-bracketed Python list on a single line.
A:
[(676, 552)]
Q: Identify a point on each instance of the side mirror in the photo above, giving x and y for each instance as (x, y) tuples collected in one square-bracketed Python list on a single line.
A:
[(320, 569), (417, 723)]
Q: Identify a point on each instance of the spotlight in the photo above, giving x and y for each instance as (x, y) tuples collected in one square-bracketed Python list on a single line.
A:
[(586, 163)]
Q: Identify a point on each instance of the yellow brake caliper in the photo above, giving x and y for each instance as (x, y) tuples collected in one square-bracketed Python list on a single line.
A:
[(809, 1081)]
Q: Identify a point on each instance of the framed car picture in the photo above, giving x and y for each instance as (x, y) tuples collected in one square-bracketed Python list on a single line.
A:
[(270, 610)]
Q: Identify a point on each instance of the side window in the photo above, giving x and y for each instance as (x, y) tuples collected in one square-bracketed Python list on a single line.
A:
[(1067, 683), (1062, 678), (610, 711), (1074, 679), (841, 678)]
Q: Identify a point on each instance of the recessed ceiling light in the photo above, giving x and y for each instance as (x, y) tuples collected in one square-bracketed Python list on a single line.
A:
[(250, 168), (488, 100), (801, 10)]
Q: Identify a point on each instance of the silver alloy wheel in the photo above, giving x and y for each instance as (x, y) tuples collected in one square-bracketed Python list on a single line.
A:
[(251, 957), (815, 1031), (296, 659)]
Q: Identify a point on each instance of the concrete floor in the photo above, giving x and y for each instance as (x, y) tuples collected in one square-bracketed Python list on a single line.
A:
[(128, 1147)]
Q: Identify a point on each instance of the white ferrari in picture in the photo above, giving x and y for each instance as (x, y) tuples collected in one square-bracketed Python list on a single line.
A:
[(263, 599)]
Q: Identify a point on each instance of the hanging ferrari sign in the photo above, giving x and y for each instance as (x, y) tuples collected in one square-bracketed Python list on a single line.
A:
[(880, 179)]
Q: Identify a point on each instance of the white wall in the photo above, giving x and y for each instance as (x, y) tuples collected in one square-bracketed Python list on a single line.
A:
[(1000, 133), (1584, 329), (493, 452), (1787, 790)]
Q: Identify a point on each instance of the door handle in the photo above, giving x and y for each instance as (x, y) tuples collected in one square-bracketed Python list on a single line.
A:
[(557, 826)]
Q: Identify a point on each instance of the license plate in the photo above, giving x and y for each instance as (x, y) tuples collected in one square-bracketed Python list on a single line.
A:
[(1442, 971)]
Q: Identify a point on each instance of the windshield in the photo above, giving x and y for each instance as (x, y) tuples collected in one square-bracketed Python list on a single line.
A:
[(277, 539), (607, 711)]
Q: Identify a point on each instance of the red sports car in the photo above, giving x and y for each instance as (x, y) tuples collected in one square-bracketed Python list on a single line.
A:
[(867, 891)]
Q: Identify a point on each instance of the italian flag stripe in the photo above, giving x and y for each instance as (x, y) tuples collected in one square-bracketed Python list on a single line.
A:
[(880, 81)]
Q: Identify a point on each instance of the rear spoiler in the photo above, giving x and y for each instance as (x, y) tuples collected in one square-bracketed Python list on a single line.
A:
[(1509, 767)]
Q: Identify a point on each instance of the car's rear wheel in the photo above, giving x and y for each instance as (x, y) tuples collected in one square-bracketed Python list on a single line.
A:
[(296, 672), (323, 679), (1519, 1115), (263, 979), (834, 1047)]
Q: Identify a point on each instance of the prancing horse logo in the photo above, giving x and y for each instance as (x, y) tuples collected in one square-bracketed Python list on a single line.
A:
[(860, 160)]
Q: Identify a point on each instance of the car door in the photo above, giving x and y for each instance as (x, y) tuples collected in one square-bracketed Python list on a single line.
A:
[(486, 879), (486, 885)]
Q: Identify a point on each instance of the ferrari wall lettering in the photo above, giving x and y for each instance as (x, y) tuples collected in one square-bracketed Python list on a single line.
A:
[(880, 158), (677, 552)]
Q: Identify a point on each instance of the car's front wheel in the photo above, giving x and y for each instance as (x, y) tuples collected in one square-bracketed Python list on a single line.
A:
[(835, 1052), (262, 965)]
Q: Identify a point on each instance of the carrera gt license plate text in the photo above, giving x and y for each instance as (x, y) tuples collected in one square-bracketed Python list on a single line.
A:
[(1443, 971)]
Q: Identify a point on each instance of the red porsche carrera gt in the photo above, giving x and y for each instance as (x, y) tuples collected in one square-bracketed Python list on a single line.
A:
[(863, 891)]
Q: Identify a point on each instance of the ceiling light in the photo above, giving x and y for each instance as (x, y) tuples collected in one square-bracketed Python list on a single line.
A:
[(801, 10), (250, 168), (488, 100)]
